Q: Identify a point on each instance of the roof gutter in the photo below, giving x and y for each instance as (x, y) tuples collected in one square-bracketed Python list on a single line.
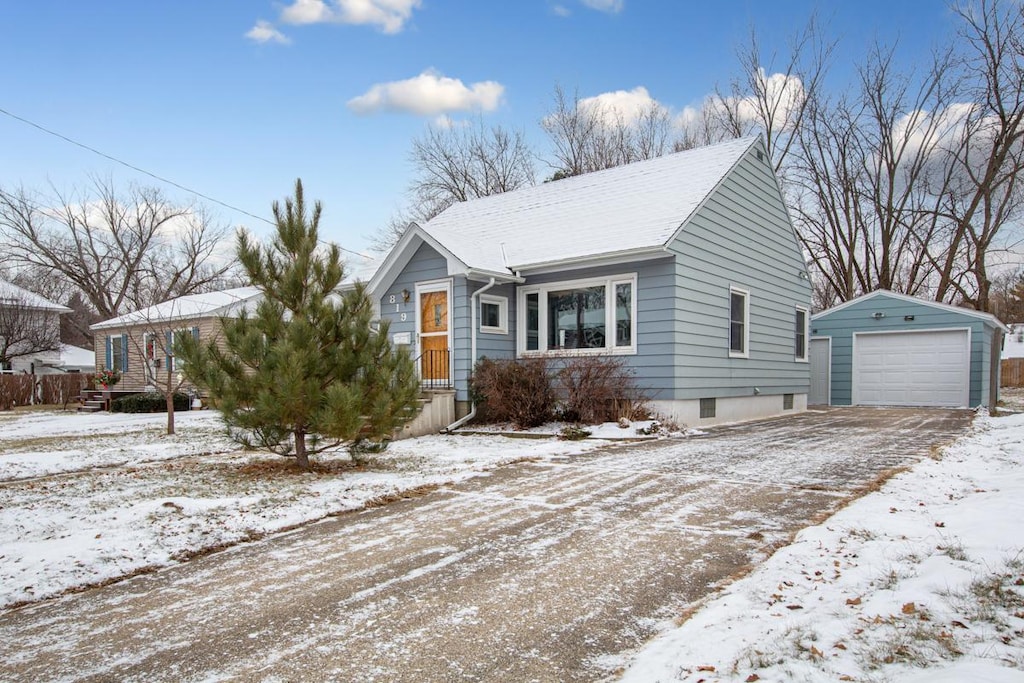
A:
[(493, 277), (474, 307)]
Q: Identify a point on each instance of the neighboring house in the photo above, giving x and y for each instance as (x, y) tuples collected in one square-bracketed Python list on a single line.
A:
[(76, 359), (889, 349), (1013, 342), (34, 322), (138, 344), (686, 266)]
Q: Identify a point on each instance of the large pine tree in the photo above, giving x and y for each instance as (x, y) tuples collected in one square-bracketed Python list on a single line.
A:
[(307, 371)]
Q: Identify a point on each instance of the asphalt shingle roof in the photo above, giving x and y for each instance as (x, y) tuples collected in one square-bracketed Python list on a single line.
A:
[(191, 306), (632, 207)]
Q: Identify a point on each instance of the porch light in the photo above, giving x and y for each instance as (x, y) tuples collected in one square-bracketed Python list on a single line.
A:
[(405, 295)]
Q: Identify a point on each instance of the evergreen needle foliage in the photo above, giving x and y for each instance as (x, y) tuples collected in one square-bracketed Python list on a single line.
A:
[(306, 371)]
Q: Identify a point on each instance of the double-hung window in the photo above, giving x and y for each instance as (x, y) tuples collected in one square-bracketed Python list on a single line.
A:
[(594, 315), (173, 363), (739, 322), (800, 339)]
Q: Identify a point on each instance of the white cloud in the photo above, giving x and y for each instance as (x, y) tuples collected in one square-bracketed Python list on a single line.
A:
[(429, 94), (264, 32), (389, 16), (609, 6), (621, 105), (560, 10), (785, 93)]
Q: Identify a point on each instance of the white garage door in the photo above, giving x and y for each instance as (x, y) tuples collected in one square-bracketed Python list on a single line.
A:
[(928, 368)]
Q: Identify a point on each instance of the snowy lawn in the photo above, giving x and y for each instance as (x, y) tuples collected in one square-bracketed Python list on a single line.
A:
[(86, 499), (926, 572)]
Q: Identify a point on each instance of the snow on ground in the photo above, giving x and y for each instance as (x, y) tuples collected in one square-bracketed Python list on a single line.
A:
[(926, 572), (86, 499)]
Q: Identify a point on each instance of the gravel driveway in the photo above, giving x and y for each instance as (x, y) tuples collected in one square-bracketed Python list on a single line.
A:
[(546, 571)]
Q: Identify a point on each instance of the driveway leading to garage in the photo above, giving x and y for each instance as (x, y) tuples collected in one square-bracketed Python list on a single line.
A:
[(547, 571)]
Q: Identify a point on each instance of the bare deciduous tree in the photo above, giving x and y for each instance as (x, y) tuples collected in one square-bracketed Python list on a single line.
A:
[(122, 251), (589, 136), (25, 329), (909, 182), (455, 164), (985, 163)]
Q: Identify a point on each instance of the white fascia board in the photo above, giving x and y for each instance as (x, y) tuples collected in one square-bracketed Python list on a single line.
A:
[(478, 275), (402, 253), (987, 317), (607, 259)]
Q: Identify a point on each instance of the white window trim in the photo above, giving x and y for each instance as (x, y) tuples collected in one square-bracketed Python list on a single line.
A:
[(541, 291), (502, 303), (745, 353), (425, 287), (806, 358)]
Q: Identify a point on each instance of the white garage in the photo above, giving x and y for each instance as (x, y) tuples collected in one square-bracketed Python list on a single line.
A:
[(919, 368)]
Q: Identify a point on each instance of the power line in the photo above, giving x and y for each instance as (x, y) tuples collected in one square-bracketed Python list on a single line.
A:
[(148, 173)]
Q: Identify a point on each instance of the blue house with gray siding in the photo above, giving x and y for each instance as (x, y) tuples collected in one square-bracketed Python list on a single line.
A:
[(889, 349), (686, 266)]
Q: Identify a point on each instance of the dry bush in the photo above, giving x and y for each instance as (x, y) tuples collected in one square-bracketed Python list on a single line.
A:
[(516, 391), (596, 389)]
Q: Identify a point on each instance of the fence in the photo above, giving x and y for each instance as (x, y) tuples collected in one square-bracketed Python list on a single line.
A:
[(1011, 372), (23, 389)]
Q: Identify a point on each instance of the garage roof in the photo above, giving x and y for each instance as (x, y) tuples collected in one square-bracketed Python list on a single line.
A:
[(987, 317)]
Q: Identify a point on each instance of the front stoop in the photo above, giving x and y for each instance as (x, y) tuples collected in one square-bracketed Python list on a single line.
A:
[(438, 411), (96, 401)]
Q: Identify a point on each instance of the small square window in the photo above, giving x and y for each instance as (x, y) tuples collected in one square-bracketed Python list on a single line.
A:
[(493, 314), (787, 401), (707, 407)]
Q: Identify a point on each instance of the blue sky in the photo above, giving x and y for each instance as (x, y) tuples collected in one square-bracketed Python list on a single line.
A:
[(237, 98)]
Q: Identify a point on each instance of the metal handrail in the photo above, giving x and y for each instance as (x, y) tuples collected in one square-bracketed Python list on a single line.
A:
[(435, 368)]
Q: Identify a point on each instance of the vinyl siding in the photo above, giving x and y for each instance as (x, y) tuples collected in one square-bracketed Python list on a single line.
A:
[(740, 237), (135, 378), (654, 361), (425, 265), (858, 317)]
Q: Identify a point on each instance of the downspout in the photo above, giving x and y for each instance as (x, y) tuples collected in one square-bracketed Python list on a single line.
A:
[(474, 307)]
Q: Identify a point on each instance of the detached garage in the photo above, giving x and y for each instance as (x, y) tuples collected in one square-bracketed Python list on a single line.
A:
[(888, 349)]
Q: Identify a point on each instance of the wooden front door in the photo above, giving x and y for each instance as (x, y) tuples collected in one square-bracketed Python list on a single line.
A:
[(434, 352)]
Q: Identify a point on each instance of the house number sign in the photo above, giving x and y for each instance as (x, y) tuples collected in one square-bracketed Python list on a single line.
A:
[(393, 299)]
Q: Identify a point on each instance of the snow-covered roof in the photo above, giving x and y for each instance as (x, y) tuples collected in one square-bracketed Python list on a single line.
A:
[(987, 317), (184, 307), (77, 357), (626, 209), (12, 293)]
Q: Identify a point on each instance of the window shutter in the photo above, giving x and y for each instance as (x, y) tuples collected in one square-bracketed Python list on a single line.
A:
[(195, 333), (168, 346), (110, 353), (124, 353)]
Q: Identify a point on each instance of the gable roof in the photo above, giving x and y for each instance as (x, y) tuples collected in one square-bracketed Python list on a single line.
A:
[(626, 210), (192, 306), (12, 293), (885, 293)]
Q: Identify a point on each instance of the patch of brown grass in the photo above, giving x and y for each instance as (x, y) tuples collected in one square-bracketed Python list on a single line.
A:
[(287, 466)]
